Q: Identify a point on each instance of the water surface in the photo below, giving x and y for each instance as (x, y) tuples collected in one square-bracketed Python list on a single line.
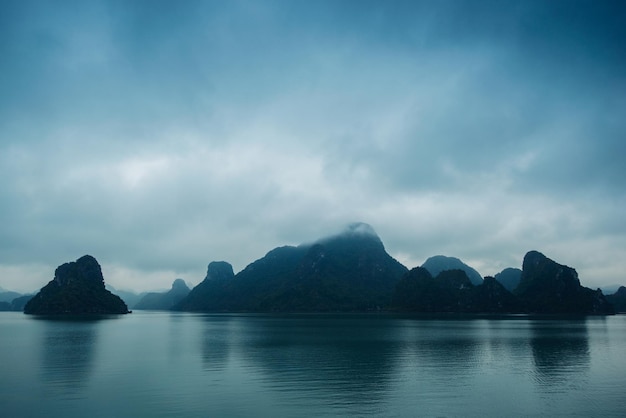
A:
[(161, 364)]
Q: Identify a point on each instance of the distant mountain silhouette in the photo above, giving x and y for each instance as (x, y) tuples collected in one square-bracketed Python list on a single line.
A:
[(129, 297), (347, 272), (439, 263), (212, 291), (352, 272), (618, 299), (13, 301), (549, 287), (19, 303), (8, 296), (166, 300), (545, 287), (451, 292), (509, 278), (77, 288)]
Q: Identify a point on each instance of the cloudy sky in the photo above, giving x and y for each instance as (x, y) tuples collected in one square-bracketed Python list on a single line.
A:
[(158, 136)]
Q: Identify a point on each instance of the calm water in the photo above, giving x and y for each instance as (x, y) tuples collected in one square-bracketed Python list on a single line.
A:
[(151, 364)]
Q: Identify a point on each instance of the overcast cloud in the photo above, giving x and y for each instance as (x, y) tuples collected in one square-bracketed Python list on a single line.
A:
[(158, 136)]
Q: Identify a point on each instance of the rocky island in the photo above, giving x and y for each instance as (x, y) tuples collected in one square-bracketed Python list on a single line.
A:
[(352, 272), (346, 272), (77, 289)]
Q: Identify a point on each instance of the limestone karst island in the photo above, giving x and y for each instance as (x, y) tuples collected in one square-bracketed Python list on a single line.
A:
[(347, 272), (77, 289)]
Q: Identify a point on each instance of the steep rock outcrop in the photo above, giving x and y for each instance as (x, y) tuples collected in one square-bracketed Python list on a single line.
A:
[(77, 288), (210, 290), (550, 288)]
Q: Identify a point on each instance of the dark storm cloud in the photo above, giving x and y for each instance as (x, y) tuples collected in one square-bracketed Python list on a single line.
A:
[(160, 135)]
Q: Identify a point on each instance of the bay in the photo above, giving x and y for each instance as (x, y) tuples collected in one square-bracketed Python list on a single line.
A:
[(162, 364)]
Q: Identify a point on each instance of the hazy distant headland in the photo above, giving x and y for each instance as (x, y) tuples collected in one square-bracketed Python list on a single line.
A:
[(347, 272)]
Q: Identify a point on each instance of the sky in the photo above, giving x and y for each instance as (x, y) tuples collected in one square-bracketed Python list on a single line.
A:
[(159, 136)]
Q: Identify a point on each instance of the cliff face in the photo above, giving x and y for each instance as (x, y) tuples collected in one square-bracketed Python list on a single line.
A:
[(77, 288), (212, 292), (549, 287)]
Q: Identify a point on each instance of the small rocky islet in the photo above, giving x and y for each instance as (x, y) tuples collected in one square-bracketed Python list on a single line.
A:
[(77, 289)]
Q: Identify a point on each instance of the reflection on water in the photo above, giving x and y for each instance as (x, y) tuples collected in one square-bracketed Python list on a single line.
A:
[(194, 365), (341, 360), (299, 361), (68, 348), (216, 341), (450, 346), (68, 355), (560, 352)]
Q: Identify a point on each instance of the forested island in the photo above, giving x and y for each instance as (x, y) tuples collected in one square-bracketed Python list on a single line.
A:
[(347, 272), (77, 289), (352, 272)]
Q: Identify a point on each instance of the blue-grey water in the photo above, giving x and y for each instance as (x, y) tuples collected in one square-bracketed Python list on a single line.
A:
[(159, 364)]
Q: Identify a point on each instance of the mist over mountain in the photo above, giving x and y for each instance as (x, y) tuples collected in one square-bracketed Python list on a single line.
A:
[(13, 301), (77, 288), (130, 298), (346, 272), (439, 263), (16, 303), (350, 271), (19, 303), (8, 296), (164, 300)]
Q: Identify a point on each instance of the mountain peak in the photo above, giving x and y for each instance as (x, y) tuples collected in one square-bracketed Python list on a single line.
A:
[(359, 228), (179, 284), (86, 269), (77, 288), (549, 287), (219, 270), (356, 231), (438, 263)]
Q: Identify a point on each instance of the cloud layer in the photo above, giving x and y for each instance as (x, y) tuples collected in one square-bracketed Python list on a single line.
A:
[(159, 137)]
